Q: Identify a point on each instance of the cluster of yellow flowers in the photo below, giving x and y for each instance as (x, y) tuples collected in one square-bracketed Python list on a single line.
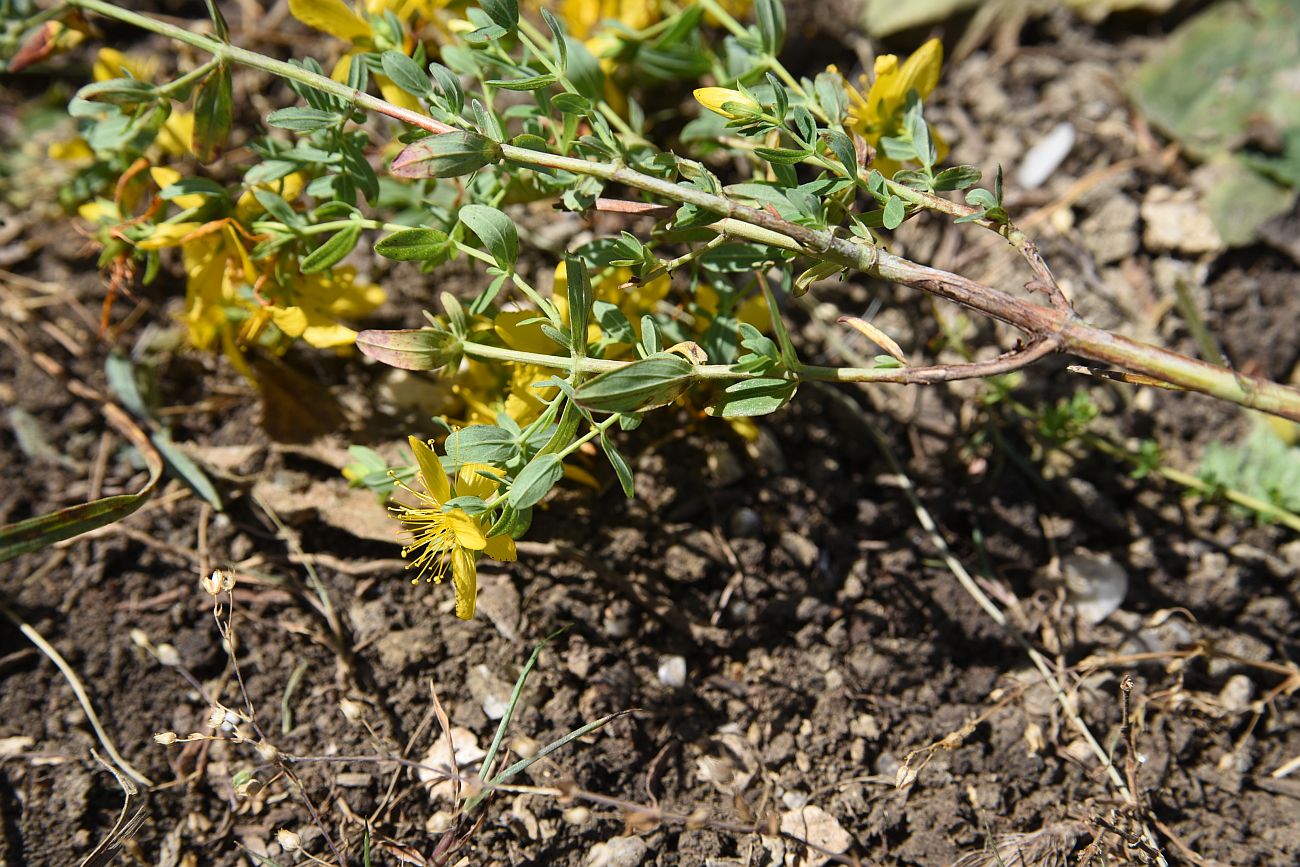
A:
[(232, 300), (877, 106)]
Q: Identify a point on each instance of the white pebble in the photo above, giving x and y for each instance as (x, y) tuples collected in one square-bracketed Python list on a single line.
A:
[(672, 671), (1045, 157)]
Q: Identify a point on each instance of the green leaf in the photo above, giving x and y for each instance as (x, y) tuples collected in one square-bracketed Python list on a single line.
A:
[(613, 324), (957, 178), (584, 70), (481, 444), (504, 13), (572, 103), (414, 245), (650, 335), (330, 253), (495, 230), (842, 146), (536, 82), (782, 156), (771, 25), (557, 35), (750, 397), (639, 386), (219, 25), (581, 298), (277, 207), (894, 213), (621, 469), (536, 480), (119, 91), (298, 119), (192, 186), (448, 155), (818, 271), (185, 469), (37, 532), (831, 95), (449, 83), (406, 74), (414, 349), (213, 114)]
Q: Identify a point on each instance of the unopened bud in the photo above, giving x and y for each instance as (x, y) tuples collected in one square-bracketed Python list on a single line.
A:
[(448, 155), (413, 349), (731, 104), (642, 385)]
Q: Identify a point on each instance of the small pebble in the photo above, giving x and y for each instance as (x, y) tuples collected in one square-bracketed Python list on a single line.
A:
[(672, 671), (746, 523), (618, 852), (1045, 157)]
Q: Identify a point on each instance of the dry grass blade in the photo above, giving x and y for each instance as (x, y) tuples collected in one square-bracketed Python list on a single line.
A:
[(128, 821), (80, 691)]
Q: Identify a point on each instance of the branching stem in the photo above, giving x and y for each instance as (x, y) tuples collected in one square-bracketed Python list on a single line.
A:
[(1048, 328)]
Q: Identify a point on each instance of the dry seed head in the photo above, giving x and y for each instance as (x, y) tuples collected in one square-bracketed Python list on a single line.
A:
[(212, 582), (140, 639), (267, 752), (288, 840), (248, 788), (167, 655), (165, 739), (216, 717), (439, 822)]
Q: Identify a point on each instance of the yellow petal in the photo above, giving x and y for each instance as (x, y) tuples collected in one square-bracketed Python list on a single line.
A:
[(167, 235), (464, 577), (921, 71), (469, 533), (111, 63), (501, 548), (291, 320), (435, 479), (528, 338), (397, 96), (332, 17), (72, 150), (99, 209), (472, 483), (329, 336), (177, 133), (581, 476), (165, 177), (716, 100)]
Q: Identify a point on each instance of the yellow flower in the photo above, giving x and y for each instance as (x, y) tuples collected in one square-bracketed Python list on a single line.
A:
[(731, 104), (450, 537), (111, 63), (320, 300), (880, 112), (615, 286), (338, 19)]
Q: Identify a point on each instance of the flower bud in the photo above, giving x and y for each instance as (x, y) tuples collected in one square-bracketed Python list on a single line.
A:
[(639, 386), (731, 104), (448, 155), (411, 349)]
